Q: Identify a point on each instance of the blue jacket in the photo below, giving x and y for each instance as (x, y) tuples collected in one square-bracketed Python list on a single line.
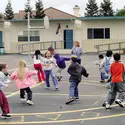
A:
[(60, 61)]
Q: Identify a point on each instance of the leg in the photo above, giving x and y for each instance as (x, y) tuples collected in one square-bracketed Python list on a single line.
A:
[(29, 93), (4, 106), (42, 74), (59, 76), (73, 89), (22, 94), (47, 73), (54, 79), (76, 93)]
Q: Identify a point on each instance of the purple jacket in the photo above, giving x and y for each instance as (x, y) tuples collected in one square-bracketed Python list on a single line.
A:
[(60, 61)]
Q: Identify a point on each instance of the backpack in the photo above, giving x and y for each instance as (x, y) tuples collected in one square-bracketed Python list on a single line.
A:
[(107, 65)]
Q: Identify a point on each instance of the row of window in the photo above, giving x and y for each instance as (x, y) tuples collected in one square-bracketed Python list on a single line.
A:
[(92, 33)]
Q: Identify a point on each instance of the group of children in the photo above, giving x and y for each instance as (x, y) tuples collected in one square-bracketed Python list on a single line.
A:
[(44, 65), (112, 71)]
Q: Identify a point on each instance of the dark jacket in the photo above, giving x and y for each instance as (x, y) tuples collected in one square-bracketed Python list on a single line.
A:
[(76, 71), (60, 61)]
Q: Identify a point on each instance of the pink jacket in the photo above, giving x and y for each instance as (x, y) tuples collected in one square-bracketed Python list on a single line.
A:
[(28, 81)]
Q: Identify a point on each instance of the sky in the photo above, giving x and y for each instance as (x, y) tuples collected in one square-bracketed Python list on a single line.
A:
[(64, 5)]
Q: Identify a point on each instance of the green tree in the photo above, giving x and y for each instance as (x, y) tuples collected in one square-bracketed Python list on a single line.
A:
[(39, 9), (120, 12), (1, 16), (106, 8), (91, 9), (28, 8), (9, 14)]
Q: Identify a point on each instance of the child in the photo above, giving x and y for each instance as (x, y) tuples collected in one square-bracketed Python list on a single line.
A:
[(60, 61), (3, 100), (23, 81), (117, 70), (38, 66), (102, 71), (77, 50), (48, 70), (76, 71)]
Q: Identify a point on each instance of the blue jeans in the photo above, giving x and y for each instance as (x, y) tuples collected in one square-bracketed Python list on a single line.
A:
[(50, 73), (73, 89), (103, 76)]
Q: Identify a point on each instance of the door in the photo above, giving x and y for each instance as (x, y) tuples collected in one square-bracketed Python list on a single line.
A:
[(68, 39), (1, 39)]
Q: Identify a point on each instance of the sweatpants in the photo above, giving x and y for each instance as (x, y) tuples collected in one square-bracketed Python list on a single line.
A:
[(40, 74), (116, 88), (4, 103), (59, 72), (28, 91)]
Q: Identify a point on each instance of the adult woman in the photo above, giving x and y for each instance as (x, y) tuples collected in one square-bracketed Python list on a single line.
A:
[(77, 50)]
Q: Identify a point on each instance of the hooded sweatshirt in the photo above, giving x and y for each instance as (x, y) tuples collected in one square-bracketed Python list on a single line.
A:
[(60, 61), (76, 71)]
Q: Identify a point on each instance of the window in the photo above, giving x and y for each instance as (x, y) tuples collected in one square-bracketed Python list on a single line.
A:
[(98, 33), (34, 36)]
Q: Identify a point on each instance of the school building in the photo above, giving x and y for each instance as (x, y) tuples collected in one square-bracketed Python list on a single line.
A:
[(89, 31)]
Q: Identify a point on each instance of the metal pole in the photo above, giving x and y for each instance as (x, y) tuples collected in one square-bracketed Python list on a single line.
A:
[(28, 36)]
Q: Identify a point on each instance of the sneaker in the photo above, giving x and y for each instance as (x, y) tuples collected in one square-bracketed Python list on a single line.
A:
[(23, 100), (59, 79), (104, 104), (107, 106), (119, 103), (76, 98), (69, 101), (47, 87), (30, 102), (102, 81), (5, 116)]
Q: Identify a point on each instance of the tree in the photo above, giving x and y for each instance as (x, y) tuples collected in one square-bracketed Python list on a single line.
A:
[(39, 9), (9, 14), (106, 8), (91, 9), (1, 16), (28, 8), (120, 12)]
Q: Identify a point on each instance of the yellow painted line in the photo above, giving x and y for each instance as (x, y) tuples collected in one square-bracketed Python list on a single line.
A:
[(62, 112), (66, 121), (15, 93), (57, 116), (22, 118), (63, 94)]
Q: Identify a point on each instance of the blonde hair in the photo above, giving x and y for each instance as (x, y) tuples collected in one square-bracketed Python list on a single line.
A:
[(78, 43), (21, 69)]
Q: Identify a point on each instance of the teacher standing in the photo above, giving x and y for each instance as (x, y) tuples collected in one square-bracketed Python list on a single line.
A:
[(77, 50)]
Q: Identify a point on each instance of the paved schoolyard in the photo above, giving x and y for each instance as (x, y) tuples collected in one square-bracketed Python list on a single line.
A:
[(50, 108)]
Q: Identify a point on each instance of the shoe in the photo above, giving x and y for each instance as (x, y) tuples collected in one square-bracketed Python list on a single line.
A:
[(76, 98), (104, 104), (102, 81), (69, 101), (5, 116), (47, 87), (107, 106), (119, 103), (30, 102), (59, 79), (23, 100)]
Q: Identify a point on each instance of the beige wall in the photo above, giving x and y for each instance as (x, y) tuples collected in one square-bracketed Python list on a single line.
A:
[(117, 33), (17, 28)]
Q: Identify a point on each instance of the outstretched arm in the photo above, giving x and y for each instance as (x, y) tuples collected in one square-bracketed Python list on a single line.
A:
[(84, 72), (66, 59)]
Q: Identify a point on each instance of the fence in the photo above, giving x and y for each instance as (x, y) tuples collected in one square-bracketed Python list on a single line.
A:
[(40, 45), (117, 47)]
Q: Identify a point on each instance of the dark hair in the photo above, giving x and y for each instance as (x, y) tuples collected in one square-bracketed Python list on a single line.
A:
[(117, 56), (2, 66), (50, 49), (109, 53), (37, 53), (101, 56)]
